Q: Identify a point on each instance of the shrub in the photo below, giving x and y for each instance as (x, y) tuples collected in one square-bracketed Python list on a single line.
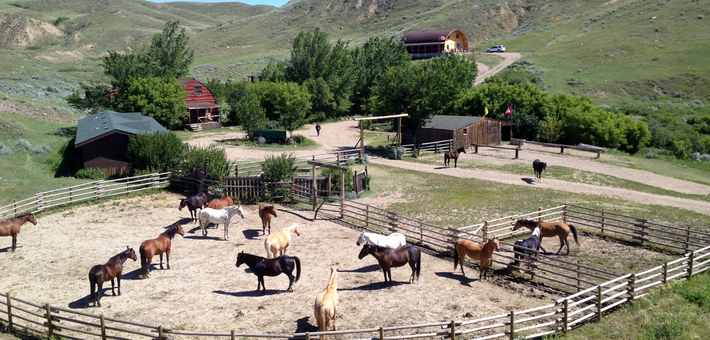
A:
[(95, 174), (262, 140), (651, 154), (363, 159), (158, 151), (12, 127), (59, 20), (4, 150), (22, 145), (298, 139), (335, 180), (394, 152), (281, 168), (41, 149), (218, 166), (350, 162)]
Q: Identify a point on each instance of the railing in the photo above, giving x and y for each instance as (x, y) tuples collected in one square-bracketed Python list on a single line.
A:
[(339, 158), (438, 146), (582, 147)]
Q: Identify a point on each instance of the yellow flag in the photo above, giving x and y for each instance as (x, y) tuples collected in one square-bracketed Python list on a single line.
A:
[(486, 112)]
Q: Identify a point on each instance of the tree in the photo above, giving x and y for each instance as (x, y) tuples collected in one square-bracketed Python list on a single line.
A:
[(168, 55), (244, 107), (95, 98), (287, 103), (160, 98)]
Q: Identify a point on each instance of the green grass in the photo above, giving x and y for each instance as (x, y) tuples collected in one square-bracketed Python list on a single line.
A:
[(686, 169)]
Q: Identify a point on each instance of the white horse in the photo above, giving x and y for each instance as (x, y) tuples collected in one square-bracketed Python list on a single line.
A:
[(278, 243), (394, 240), (215, 216)]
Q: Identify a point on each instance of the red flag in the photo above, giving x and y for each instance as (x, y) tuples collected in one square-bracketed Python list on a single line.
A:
[(509, 111)]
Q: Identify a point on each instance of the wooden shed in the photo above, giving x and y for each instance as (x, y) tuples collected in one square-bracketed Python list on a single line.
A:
[(464, 130), (103, 138), (204, 110), (429, 44)]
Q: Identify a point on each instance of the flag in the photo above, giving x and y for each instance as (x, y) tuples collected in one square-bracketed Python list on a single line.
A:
[(442, 38), (509, 111), (486, 112)]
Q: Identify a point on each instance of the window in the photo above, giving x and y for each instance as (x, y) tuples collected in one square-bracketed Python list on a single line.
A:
[(198, 89), (457, 35), (464, 132)]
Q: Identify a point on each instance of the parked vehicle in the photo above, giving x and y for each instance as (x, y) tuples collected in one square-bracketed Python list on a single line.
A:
[(497, 48), (271, 135)]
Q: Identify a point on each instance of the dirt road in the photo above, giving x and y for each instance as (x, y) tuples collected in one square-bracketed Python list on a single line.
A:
[(485, 72)]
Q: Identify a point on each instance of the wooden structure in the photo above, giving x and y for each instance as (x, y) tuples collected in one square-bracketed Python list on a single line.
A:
[(464, 130), (581, 146), (361, 142), (103, 138), (203, 108), (429, 44)]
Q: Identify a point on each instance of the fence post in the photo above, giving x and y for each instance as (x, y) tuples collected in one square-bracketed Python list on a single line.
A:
[(160, 333), (236, 170), (308, 335), (562, 149), (453, 330), (355, 181), (98, 190), (233, 335), (485, 229), (512, 325), (690, 265), (9, 312), (103, 327), (687, 239), (516, 153), (367, 216), (665, 272), (207, 163), (539, 214), (602, 222), (329, 187), (382, 333), (564, 213), (565, 319), (50, 328), (338, 158), (632, 290), (579, 275), (14, 202), (599, 303), (342, 193), (421, 232), (314, 193)]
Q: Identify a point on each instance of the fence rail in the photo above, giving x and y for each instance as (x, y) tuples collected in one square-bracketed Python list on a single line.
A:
[(338, 158), (438, 146)]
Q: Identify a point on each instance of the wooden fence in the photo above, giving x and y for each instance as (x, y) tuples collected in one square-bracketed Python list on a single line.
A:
[(582, 147), (438, 146), (476, 146), (338, 158)]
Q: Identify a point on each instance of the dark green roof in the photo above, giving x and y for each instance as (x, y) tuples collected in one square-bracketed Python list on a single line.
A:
[(108, 121), (441, 122)]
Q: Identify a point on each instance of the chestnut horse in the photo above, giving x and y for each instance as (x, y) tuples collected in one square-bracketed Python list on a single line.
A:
[(193, 203), (265, 212), (388, 258), (223, 202), (158, 246), (448, 156), (551, 229), (326, 306), (476, 251), (101, 273), (11, 227), (278, 243)]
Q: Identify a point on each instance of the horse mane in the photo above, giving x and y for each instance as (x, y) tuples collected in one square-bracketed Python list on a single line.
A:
[(172, 230), (528, 222), (251, 256)]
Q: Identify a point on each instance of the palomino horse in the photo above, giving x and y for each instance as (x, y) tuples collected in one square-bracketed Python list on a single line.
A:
[(193, 203), (326, 306), (11, 227), (476, 251), (528, 247), (539, 167), (278, 243), (225, 216), (158, 246), (448, 156), (223, 202), (265, 212), (394, 240), (101, 273), (388, 258), (550, 229), (261, 267)]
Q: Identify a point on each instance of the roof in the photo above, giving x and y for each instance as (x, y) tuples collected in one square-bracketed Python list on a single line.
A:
[(442, 122), (202, 105), (419, 37), (186, 81), (108, 121)]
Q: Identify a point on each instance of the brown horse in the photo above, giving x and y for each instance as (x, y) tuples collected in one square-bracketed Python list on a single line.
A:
[(448, 156), (551, 229), (103, 272), (388, 258), (223, 202), (476, 251), (158, 246), (326, 306), (265, 212), (193, 203), (11, 227)]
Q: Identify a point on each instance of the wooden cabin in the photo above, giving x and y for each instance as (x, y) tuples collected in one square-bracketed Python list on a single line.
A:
[(203, 108), (103, 139), (464, 130), (429, 44)]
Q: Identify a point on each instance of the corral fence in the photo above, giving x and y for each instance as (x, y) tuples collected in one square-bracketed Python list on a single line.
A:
[(438, 146), (338, 158), (599, 291), (581, 146)]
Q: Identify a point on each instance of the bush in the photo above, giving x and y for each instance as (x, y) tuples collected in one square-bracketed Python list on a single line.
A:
[(41, 149), (651, 154), (363, 159), (94, 174), (159, 151), (23, 145), (262, 140), (394, 152), (278, 169), (335, 180), (12, 127), (59, 20), (4, 150), (299, 139), (349, 162), (218, 166)]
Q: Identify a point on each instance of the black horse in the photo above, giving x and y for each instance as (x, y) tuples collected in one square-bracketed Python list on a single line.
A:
[(388, 258), (539, 167), (193, 203), (529, 246), (262, 266), (448, 156)]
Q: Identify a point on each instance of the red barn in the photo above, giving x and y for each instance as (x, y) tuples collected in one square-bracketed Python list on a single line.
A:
[(204, 110)]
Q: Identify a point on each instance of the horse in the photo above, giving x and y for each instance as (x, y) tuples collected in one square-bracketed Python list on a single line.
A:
[(278, 243), (388, 258), (193, 203), (223, 202), (550, 229), (265, 212), (101, 273), (158, 246), (529, 246), (448, 156), (11, 227), (225, 216), (476, 251), (394, 240), (261, 267), (539, 167), (326, 306)]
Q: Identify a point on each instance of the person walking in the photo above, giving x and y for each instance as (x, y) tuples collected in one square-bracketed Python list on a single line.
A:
[(318, 129)]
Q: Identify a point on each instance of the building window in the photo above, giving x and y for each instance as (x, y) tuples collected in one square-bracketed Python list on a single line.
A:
[(457, 35), (464, 132), (198, 89)]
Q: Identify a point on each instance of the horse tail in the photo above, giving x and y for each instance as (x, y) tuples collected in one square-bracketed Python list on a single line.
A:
[(92, 283), (574, 233), (298, 267), (456, 255), (267, 246), (419, 263), (144, 265)]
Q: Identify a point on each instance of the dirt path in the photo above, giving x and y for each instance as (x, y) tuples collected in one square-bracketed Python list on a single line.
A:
[(508, 58)]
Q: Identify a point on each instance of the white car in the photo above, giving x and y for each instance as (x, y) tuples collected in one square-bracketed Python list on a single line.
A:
[(497, 48)]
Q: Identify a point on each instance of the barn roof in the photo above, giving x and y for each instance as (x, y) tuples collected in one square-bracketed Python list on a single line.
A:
[(186, 81), (94, 126), (442, 122), (421, 37)]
